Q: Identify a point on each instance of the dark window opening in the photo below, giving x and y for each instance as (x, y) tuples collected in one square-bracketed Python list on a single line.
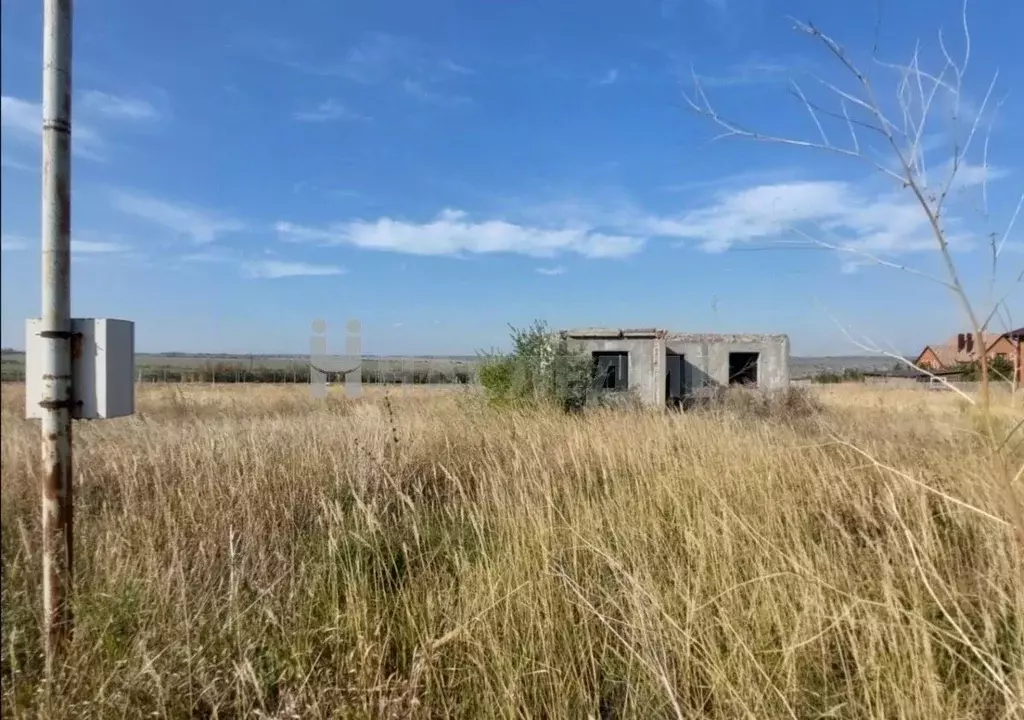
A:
[(743, 368), (674, 381), (611, 370)]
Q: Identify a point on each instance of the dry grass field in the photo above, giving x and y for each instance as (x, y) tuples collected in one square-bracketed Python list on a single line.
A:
[(249, 552)]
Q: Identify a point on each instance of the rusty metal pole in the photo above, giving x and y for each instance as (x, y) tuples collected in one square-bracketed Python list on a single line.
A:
[(56, 330)]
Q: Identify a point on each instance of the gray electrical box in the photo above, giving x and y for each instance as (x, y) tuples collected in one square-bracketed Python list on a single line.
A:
[(102, 367)]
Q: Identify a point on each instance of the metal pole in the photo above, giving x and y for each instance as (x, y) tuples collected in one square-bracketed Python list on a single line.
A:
[(56, 329)]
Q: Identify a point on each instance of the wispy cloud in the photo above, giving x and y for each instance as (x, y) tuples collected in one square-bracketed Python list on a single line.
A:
[(456, 68), (379, 59), (329, 110), (11, 163), (452, 232), (668, 8), (95, 247), (197, 224), (608, 78), (751, 72), (274, 269), (15, 243), (116, 107), (22, 121), (746, 178), (207, 256), (419, 91), (376, 58), (551, 270)]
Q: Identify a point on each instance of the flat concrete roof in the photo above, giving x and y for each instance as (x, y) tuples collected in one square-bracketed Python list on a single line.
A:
[(752, 338), (613, 333), (597, 333)]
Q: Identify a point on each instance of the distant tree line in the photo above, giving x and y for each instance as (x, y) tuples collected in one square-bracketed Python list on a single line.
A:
[(827, 377), (244, 373), (1000, 369)]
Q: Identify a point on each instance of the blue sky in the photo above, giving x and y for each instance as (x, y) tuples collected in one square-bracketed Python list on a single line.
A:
[(441, 170)]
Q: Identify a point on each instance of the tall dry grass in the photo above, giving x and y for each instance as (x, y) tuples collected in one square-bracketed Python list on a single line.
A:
[(245, 552)]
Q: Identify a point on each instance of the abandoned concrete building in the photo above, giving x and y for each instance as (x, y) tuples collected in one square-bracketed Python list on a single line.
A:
[(667, 368)]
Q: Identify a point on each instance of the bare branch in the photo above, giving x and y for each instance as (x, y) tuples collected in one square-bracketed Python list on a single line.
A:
[(873, 348), (1009, 227), (849, 124), (873, 258), (846, 117), (810, 110), (1001, 302), (733, 129), (959, 156)]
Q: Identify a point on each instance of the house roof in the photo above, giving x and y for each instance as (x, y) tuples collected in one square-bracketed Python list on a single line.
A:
[(1017, 334), (948, 355)]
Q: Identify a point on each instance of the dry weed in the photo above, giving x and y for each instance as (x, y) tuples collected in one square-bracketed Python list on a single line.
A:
[(246, 552)]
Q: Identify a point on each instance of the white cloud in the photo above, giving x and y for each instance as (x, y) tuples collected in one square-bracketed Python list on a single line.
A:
[(118, 108), (273, 269), (328, 111), (419, 91), (751, 72), (377, 58), (23, 121), (198, 224), (206, 257), (456, 68), (90, 247), (13, 243), (21, 116), (848, 216), (967, 175), (669, 7), (608, 78), (551, 270), (11, 163), (835, 212), (452, 233)]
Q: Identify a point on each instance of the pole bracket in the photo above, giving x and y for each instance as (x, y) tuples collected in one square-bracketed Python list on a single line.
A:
[(68, 404)]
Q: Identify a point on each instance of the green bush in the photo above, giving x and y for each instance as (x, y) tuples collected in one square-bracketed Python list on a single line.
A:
[(496, 376), (540, 369), (1000, 369)]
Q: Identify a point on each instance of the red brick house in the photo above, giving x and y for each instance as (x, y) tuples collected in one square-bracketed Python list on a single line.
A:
[(962, 349)]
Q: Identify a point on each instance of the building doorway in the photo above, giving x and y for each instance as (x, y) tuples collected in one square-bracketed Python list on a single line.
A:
[(675, 383)]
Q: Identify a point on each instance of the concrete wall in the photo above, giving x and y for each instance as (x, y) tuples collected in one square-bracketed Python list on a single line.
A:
[(707, 358), (646, 362)]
